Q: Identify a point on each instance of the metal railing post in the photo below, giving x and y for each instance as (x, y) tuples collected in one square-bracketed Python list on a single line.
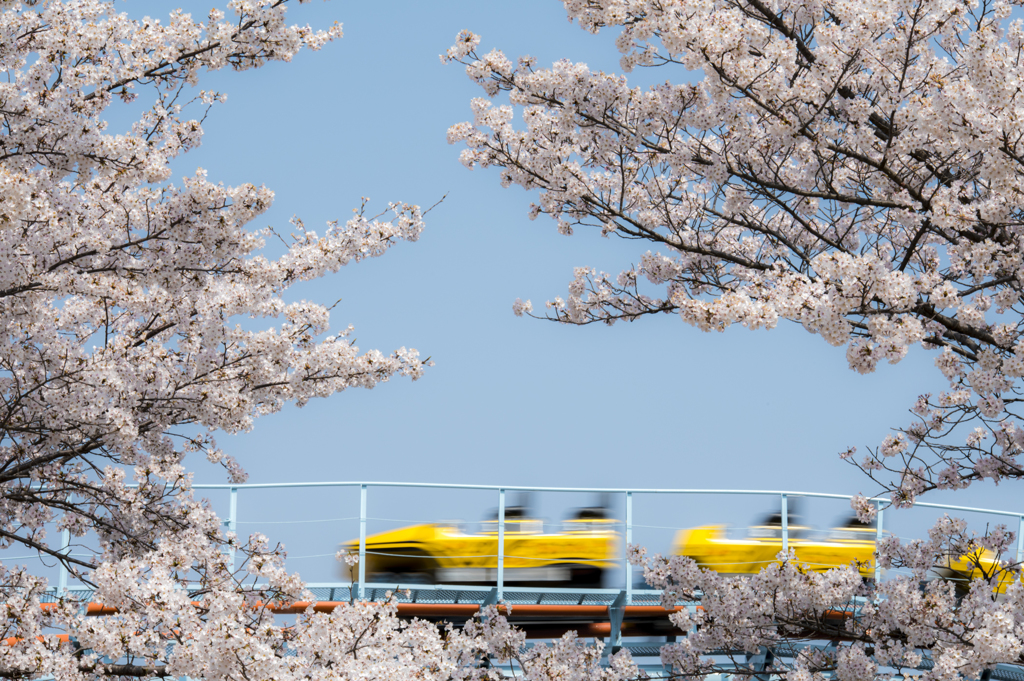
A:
[(362, 542), (878, 540), (785, 524), (1020, 540), (62, 580), (232, 525), (629, 540), (501, 545)]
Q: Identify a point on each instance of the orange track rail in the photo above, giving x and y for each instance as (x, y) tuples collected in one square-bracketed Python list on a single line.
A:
[(538, 621), (434, 610)]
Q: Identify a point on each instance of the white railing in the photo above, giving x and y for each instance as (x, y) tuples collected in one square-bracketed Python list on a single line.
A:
[(784, 497)]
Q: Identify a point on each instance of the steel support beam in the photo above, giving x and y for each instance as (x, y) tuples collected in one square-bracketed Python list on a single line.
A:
[(362, 543), (232, 524), (616, 611), (501, 545), (878, 540), (629, 540), (785, 523)]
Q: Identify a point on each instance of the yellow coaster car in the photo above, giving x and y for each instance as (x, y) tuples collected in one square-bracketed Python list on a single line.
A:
[(711, 547), (981, 564), (577, 554)]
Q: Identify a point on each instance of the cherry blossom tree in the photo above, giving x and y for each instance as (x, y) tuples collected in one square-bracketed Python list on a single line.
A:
[(855, 167), (124, 297)]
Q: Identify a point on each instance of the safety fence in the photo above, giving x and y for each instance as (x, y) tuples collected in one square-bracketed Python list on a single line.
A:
[(360, 588)]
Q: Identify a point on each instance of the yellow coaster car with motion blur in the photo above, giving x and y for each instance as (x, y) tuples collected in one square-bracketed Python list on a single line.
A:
[(981, 564), (712, 547), (577, 554)]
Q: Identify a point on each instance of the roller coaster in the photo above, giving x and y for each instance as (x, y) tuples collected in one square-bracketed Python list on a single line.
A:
[(561, 577)]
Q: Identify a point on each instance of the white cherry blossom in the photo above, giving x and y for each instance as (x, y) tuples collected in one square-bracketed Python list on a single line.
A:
[(853, 166), (124, 296)]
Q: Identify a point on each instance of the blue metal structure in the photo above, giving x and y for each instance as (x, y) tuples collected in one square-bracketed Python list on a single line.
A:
[(361, 586), (615, 599)]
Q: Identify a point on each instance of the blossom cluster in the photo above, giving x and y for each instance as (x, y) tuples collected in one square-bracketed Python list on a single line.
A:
[(226, 629), (128, 302), (855, 167), (893, 625)]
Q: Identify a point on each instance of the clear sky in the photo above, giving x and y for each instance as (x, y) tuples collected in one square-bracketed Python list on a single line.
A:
[(655, 403)]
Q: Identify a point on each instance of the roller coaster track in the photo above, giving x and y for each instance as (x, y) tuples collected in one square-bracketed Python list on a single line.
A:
[(547, 614), (613, 614)]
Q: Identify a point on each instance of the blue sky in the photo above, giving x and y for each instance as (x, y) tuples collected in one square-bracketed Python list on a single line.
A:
[(655, 403)]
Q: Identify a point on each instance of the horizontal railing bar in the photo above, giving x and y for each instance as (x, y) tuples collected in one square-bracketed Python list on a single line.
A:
[(1013, 514), (588, 490), (514, 488)]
